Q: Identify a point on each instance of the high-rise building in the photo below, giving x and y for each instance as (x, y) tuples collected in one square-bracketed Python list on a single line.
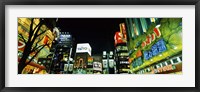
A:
[(105, 63), (90, 65), (121, 57), (108, 61), (62, 50), (121, 52), (83, 52), (112, 63), (97, 64)]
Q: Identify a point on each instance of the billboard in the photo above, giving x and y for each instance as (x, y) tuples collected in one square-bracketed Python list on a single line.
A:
[(84, 47), (123, 30), (81, 60), (105, 63), (119, 38), (97, 66)]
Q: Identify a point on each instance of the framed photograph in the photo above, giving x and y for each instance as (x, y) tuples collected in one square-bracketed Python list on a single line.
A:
[(101, 45)]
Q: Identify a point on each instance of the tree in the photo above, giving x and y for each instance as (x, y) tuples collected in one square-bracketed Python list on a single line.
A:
[(31, 45)]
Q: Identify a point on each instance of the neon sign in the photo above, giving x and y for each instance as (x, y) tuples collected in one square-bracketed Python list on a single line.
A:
[(83, 47), (151, 37), (157, 48), (137, 62), (164, 69)]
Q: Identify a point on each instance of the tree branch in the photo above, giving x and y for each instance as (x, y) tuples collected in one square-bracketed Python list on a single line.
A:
[(23, 38), (37, 26), (31, 31), (35, 34), (36, 54), (41, 33), (35, 47)]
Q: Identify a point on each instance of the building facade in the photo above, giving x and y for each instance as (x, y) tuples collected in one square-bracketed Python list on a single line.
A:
[(152, 41)]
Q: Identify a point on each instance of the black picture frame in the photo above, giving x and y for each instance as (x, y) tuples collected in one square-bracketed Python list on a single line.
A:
[(3, 3)]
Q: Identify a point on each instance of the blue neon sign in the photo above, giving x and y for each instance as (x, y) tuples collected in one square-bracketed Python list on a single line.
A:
[(156, 49)]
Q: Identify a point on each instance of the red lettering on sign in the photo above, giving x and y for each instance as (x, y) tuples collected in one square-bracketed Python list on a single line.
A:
[(157, 32), (143, 44), (151, 37)]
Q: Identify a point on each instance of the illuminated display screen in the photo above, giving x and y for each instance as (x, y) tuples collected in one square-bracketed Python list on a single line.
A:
[(65, 38), (157, 48)]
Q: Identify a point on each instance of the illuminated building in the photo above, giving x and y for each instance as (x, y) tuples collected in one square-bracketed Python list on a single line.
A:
[(97, 64), (121, 50), (154, 44), (109, 64), (83, 52), (90, 65), (62, 58)]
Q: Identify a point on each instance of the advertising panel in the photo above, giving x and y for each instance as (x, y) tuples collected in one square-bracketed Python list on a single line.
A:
[(81, 60), (157, 48), (21, 45), (121, 48), (90, 62), (65, 37), (105, 63), (65, 67), (123, 30), (84, 47), (164, 69), (70, 67), (139, 54), (137, 62), (118, 38), (111, 63), (97, 66)]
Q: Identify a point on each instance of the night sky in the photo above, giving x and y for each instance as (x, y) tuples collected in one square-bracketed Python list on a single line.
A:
[(98, 32)]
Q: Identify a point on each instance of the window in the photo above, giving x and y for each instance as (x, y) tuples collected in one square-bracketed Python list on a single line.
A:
[(155, 67), (148, 70), (158, 65), (163, 64), (169, 62), (180, 58), (175, 60)]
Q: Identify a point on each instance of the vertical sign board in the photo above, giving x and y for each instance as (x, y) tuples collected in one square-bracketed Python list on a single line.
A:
[(123, 30), (111, 63), (105, 63), (70, 67), (65, 67)]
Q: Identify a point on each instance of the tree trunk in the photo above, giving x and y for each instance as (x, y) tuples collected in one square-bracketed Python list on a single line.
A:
[(21, 66), (22, 62)]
